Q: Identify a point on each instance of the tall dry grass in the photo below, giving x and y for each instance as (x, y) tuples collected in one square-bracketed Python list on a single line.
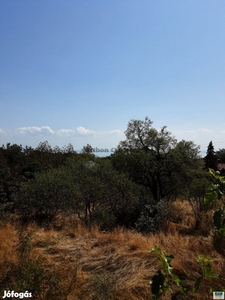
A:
[(113, 265), (8, 244)]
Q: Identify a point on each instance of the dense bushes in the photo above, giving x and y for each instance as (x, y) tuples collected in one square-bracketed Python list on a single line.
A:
[(38, 184), (89, 189), (124, 189), (43, 197)]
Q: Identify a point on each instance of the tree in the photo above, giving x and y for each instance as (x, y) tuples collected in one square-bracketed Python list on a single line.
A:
[(44, 147), (216, 192), (87, 149), (102, 195), (196, 192), (221, 155), (154, 159), (12, 163), (138, 135), (146, 156), (211, 158), (69, 149), (49, 193)]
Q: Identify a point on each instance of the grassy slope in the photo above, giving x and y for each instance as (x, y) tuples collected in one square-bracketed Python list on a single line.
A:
[(112, 265)]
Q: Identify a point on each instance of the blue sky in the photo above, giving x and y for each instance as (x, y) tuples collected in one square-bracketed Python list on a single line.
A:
[(78, 71)]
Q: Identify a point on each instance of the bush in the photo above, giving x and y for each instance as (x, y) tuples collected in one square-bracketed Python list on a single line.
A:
[(153, 217), (42, 198)]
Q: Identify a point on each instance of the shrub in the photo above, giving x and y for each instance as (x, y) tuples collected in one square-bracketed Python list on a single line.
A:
[(153, 217), (43, 197)]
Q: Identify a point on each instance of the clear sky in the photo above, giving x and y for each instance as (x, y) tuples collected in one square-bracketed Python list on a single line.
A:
[(77, 71)]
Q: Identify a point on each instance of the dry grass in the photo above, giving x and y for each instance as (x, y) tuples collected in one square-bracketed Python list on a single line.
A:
[(8, 244), (112, 265)]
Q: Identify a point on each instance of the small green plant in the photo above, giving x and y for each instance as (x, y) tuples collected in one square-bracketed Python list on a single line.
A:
[(215, 193), (163, 281), (207, 272), (166, 281)]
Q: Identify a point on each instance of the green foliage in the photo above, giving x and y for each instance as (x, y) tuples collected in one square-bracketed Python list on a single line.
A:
[(166, 281), (217, 188), (204, 263), (105, 219), (42, 182), (197, 185), (46, 195), (153, 217), (87, 149), (215, 193), (154, 159), (163, 281), (207, 272), (221, 155), (19, 165), (102, 195), (88, 187), (11, 174), (211, 158)]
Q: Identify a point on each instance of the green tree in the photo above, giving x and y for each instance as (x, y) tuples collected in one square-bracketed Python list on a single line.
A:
[(221, 160), (87, 149), (103, 196), (69, 149), (49, 193), (196, 192), (12, 164), (221, 155), (47, 158), (87, 187), (211, 160), (216, 193), (154, 159), (186, 164), (138, 135)]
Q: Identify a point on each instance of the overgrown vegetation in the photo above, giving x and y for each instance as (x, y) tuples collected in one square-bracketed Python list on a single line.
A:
[(137, 188), (163, 281)]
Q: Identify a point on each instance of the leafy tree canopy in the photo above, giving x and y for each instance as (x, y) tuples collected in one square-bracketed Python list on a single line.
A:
[(87, 149), (221, 155), (154, 158)]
